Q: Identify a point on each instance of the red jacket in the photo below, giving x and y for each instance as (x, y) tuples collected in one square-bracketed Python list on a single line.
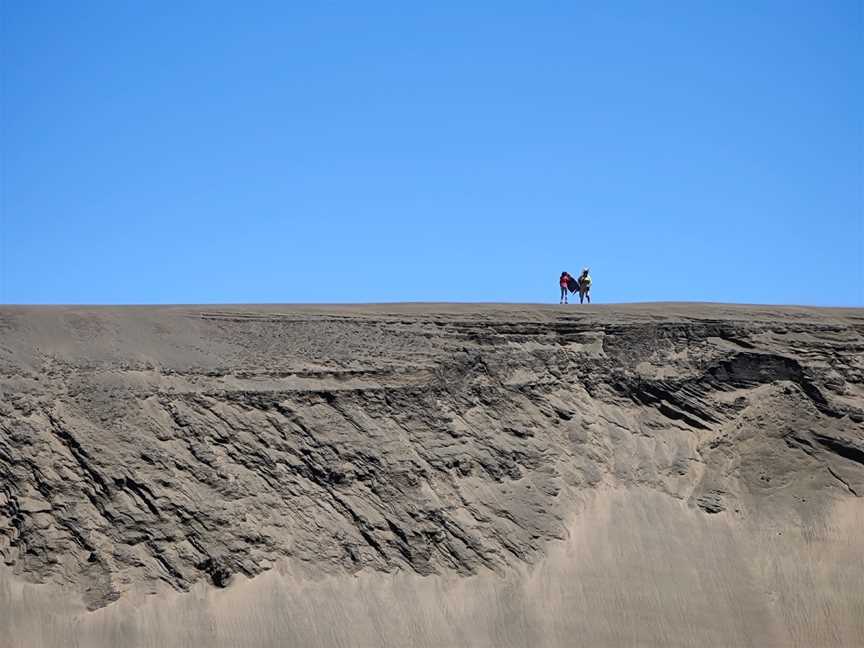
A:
[(565, 278)]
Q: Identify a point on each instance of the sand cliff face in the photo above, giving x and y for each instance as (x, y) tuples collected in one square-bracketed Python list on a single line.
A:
[(167, 449)]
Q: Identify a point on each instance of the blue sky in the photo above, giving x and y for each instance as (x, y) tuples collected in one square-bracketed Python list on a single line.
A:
[(449, 151)]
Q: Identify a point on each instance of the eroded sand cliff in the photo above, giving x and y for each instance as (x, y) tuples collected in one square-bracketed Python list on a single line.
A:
[(432, 475)]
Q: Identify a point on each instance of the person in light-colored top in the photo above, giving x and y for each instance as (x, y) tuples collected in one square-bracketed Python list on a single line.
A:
[(584, 286)]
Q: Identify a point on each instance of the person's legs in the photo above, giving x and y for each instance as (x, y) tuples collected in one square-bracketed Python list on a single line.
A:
[(563, 294)]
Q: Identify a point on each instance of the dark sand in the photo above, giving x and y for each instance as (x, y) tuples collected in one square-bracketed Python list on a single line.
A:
[(432, 475)]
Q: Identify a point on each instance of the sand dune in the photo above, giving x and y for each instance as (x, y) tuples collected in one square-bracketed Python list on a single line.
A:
[(432, 475)]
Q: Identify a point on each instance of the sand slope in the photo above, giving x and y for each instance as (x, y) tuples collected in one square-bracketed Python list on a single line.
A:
[(432, 475)]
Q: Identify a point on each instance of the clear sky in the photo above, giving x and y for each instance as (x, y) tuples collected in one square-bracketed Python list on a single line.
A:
[(159, 152)]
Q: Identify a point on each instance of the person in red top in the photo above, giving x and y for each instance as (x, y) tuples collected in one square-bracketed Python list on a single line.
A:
[(565, 279)]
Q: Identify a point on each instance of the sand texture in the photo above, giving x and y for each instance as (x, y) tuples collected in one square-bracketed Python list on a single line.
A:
[(431, 475)]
